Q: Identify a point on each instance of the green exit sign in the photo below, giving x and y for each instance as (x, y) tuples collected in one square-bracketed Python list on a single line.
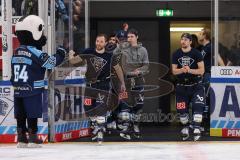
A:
[(164, 12)]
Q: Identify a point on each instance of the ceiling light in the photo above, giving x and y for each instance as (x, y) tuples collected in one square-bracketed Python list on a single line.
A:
[(185, 29)]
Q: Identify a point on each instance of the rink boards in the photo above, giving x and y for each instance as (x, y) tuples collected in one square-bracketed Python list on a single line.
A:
[(67, 125), (225, 100), (64, 127)]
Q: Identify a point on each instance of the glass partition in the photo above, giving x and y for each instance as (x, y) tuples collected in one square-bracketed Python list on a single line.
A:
[(75, 25), (66, 83), (224, 92), (229, 32)]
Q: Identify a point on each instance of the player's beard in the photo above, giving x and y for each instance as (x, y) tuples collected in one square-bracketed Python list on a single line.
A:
[(99, 48)]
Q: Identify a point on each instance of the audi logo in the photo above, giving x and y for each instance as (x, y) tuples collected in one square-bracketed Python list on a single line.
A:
[(226, 72)]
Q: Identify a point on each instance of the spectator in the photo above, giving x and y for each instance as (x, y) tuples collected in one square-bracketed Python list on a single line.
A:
[(112, 43), (122, 34), (29, 7), (134, 61), (205, 40), (195, 43), (234, 57)]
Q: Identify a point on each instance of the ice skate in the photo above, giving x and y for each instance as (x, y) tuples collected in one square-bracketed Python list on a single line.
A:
[(136, 131), (124, 131), (125, 136), (22, 139), (196, 134), (112, 125), (100, 137), (98, 134), (34, 142), (99, 129), (185, 133), (94, 132)]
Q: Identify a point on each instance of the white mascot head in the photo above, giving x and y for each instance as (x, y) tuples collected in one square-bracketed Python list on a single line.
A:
[(29, 31)]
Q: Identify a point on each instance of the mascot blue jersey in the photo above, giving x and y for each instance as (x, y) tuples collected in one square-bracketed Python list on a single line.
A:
[(28, 69)]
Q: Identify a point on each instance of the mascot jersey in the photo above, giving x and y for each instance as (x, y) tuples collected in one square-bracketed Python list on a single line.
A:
[(28, 69)]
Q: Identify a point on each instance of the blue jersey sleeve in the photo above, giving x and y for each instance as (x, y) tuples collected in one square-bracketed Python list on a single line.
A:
[(46, 61)]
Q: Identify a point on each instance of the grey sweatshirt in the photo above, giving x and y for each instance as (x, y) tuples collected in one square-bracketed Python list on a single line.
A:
[(131, 58)]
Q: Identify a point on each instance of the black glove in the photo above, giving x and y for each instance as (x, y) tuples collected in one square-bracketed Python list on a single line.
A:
[(61, 51)]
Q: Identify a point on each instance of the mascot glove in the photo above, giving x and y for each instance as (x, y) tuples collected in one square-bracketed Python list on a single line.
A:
[(61, 51)]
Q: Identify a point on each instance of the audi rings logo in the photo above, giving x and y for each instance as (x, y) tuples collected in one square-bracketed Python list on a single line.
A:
[(226, 72)]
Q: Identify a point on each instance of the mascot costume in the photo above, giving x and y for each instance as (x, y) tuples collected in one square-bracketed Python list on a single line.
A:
[(28, 65)]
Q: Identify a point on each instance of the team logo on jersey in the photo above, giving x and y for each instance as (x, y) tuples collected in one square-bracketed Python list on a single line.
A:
[(100, 98), (139, 99), (98, 63), (203, 53), (199, 99), (186, 61)]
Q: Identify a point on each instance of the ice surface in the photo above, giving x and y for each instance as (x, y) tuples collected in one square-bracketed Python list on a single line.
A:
[(124, 151)]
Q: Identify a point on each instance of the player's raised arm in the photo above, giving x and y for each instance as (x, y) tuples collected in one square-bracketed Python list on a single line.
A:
[(73, 58)]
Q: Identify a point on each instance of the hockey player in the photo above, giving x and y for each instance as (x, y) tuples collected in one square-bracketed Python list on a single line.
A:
[(28, 65), (99, 64), (205, 40), (122, 34), (133, 58), (188, 66)]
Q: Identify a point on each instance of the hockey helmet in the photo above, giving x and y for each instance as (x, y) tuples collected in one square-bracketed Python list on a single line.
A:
[(31, 23)]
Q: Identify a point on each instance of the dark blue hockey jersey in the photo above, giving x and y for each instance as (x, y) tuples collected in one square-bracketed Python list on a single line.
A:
[(28, 69), (207, 56), (190, 59), (98, 64)]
